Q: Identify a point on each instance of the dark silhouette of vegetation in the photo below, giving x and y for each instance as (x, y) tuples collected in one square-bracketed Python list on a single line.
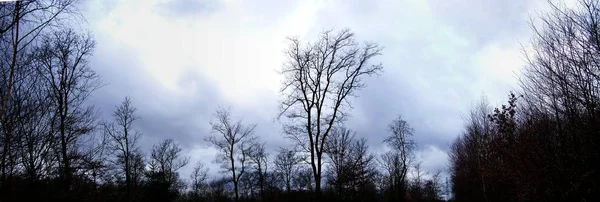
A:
[(122, 141), (319, 80), (54, 147), (399, 159), (542, 145), (236, 142)]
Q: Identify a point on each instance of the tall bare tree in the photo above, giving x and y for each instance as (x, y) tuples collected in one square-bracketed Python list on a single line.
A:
[(21, 23), (398, 160), (319, 80), (62, 60), (234, 140), (123, 140)]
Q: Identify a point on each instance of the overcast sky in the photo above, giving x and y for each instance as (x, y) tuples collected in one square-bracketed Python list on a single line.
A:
[(179, 60)]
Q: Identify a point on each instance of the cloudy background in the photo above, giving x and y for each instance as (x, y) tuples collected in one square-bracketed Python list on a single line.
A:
[(179, 60)]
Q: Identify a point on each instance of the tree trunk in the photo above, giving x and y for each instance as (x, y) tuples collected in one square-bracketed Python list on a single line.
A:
[(63, 111), (261, 179), (318, 178), (127, 167), (64, 153), (235, 180)]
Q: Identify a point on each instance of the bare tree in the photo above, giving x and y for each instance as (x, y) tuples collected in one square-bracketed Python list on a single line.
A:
[(416, 188), (21, 23), (62, 60), (303, 179), (259, 158), (286, 163), (165, 160), (351, 169), (248, 185), (217, 189), (198, 178), (24, 125), (319, 80), (138, 165), (399, 159), (550, 142), (162, 177), (338, 150), (123, 140), (24, 21), (233, 140), (35, 140), (395, 175)]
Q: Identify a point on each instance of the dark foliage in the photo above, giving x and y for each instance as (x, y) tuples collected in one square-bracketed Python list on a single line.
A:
[(543, 144)]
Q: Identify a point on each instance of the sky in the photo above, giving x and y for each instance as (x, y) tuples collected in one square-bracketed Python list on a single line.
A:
[(178, 60)]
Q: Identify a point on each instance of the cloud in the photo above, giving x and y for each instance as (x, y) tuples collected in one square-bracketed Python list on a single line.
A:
[(433, 159), (179, 60), (485, 21), (188, 8)]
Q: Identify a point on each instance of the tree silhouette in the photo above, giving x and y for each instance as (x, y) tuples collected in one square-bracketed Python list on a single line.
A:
[(62, 60), (123, 141), (319, 80), (399, 159), (234, 141)]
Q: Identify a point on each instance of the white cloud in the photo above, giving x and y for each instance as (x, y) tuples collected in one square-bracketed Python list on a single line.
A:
[(231, 47), (438, 60), (432, 158), (206, 155)]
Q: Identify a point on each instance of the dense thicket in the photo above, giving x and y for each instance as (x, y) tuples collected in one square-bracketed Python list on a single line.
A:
[(543, 144)]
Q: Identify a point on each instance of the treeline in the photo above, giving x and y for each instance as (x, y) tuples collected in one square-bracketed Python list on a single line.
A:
[(54, 146), (352, 172), (543, 145), (540, 146)]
